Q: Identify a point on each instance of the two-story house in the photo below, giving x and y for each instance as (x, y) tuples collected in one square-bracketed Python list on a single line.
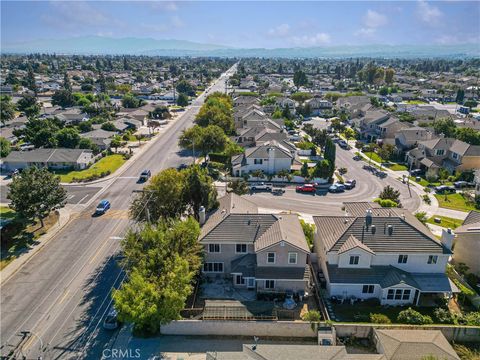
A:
[(406, 139), (265, 252), (382, 253), (319, 106), (467, 243), (369, 125), (447, 153), (257, 135), (270, 157)]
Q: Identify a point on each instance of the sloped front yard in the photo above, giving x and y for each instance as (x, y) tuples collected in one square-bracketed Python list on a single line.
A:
[(104, 167)]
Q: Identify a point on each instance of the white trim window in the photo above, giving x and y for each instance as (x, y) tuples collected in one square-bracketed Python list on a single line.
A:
[(354, 259), (270, 284), (440, 152), (214, 248), (399, 294), (368, 289), (432, 259), (402, 259), (213, 267), (241, 248), (271, 258), (292, 258)]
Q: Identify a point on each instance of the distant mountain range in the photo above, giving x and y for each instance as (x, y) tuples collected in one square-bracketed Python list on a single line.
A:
[(149, 46)]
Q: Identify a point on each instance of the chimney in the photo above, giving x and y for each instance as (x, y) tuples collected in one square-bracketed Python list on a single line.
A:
[(374, 229), (390, 229), (447, 238), (201, 215), (368, 218)]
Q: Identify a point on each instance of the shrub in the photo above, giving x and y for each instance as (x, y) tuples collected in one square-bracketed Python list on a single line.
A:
[(380, 319), (427, 199), (443, 316), (386, 203), (471, 318), (421, 216), (411, 316)]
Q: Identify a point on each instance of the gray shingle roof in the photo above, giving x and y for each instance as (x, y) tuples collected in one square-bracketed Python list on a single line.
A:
[(244, 265), (281, 273), (46, 155)]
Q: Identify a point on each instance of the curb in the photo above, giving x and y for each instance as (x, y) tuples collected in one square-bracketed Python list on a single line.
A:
[(12, 268)]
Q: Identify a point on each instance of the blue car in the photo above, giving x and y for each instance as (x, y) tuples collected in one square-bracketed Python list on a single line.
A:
[(102, 207)]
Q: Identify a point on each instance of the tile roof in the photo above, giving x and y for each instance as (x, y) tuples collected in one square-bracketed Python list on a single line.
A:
[(414, 344), (46, 155), (471, 224), (262, 151), (352, 243)]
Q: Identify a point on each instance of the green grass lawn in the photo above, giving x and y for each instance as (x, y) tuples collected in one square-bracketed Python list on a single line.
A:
[(374, 156), (108, 163), (360, 312), (7, 213), (454, 202), (446, 222), (397, 167), (416, 102)]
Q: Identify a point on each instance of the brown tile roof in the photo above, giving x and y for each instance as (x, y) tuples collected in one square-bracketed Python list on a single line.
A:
[(287, 228), (352, 243)]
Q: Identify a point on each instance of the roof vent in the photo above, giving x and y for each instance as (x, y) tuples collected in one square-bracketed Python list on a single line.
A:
[(368, 218), (374, 229), (249, 221), (390, 229)]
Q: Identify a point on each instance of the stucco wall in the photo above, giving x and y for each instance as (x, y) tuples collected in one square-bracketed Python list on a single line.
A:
[(467, 250), (239, 328), (281, 256)]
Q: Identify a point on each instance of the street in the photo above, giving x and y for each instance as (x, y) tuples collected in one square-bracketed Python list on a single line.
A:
[(61, 294)]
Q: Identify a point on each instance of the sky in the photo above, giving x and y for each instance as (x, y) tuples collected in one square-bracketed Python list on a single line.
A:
[(248, 24)]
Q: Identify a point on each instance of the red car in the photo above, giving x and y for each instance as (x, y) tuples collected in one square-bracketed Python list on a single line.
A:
[(308, 188)]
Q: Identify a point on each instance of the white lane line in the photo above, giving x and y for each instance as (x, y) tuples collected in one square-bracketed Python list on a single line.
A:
[(83, 198)]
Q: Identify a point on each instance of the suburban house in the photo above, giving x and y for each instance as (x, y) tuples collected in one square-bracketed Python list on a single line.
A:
[(257, 135), (253, 115), (99, 137), (52, 158), (382, 253), (285, 103), (447, 153), (319, 106), (369, 125), (265, 252), (467, 243), (406, 139), (245, 100), (390, 344), (73, 115), (240, 111), (269, 157)]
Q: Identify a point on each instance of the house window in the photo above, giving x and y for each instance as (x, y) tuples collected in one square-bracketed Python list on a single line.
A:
[(258, 161), (406, 294), (440, 152), (398, 294), (241, 248), (454, 155), (271, 258), (390, 294), (368, 289), (432, 259), (215, 267), (213, 248), (269, 284), (402, 259), (292, 257), (354, 259), (239, 280)]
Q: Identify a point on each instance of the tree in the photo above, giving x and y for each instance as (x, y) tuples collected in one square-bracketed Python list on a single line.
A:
[(389, 193), (67, 138), (7, 109), (330, 153), (386, 151), (389, 74), (40, 132), (468, 135), (30, 80), (199, 190), (66, 83), (204, 139), (304, 172), (163, 197), (116, 142), (108, 126), (63, 98), (4, 147), (238, 186), (28, 105), (460, 96), (86, 143), (349, 133), (184, 87), (35, 192), (217, 110), (160, 112), (471, 104), (445, 126), (322, 169), (301, 96), (300, 78), (85, 126), (130, 102), (182, 100)]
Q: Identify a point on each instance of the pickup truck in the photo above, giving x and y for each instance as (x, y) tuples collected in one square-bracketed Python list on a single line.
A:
[(261, 186)]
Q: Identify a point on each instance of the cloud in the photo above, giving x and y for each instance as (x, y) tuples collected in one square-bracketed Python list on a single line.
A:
[(279, 31), (70, 15), (164, 5), (310, 40), (427, 13), (176, 21), (373, 19)]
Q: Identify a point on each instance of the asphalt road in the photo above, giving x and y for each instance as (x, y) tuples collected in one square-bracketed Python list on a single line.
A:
[(80, 194), (63, 292), (323, 203)]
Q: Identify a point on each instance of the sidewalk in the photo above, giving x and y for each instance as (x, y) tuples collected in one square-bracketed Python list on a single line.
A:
[(27, 254)]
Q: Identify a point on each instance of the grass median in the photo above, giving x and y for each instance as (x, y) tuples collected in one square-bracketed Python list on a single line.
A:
[(107, 165)]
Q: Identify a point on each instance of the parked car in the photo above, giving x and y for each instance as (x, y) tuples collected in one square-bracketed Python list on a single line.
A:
[(111, 320), (27, 146), (336, 188), (261, 186), (102, 207), (462, 184), (357, 158), (416, 172), (444, 189), (14, 173), (306, 188), (278, 191), (381, 174), (145, 175), (182, 167), (350, 184), (343, 144)]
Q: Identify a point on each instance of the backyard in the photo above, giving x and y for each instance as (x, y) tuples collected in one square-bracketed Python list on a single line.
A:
[(455, 202), (445, 221), (105, 166)]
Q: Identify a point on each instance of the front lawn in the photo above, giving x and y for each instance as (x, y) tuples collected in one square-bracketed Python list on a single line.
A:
[(107, 165), (445, 222), (360, 312), (454, 201), (6, 213), (374, 156), (397, 167), (416, 102)]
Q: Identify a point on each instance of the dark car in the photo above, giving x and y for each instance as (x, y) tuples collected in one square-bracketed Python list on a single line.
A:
[(306, 188), (444, 189), (462, 184), (111, 321), (350, 184), (182, 167), (416, 172), (337, 188), (145, 175), (102, 207), (357, 158), (381, 174)]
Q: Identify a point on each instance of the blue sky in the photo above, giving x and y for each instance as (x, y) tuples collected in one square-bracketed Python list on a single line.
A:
[(268, 24)]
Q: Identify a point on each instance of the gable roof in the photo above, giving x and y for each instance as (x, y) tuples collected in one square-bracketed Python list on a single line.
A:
[(414, 344), (287, 228), (471, 224), (263, 151), (352, 243), (46, 155)]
